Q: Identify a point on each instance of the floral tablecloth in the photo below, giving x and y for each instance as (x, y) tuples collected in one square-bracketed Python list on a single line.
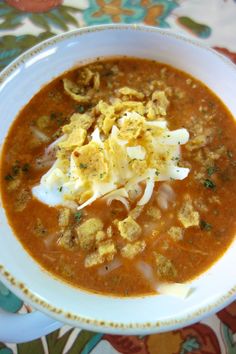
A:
[(24, 23)]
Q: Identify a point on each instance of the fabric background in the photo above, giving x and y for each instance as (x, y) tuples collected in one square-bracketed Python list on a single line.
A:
[(24, 23)]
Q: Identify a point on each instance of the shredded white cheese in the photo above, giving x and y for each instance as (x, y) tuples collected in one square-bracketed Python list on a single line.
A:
[(136, 150)]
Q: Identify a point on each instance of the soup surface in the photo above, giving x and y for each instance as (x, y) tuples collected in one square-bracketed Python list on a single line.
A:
[(119, 176)]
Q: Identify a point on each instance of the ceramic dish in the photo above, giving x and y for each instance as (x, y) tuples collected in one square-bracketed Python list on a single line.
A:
[(19, 82)]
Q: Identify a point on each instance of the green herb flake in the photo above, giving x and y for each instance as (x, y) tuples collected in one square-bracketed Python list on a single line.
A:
[(53, 115), (60, 189), (205, 225), (15, 169), (79, 108), (208, 183), (108, 73), (25, 167), (157, 173), (8, 178), (211, 170), (229, 154), (83, 165), (78, 216), (60, 121)]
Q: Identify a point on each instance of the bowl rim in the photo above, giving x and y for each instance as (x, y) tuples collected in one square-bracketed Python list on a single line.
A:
[(93, 324)]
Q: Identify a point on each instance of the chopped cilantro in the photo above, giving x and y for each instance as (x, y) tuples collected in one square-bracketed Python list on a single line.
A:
[(108, 73), (211, 170), (83, 165), (79, 108), (211, 104), (78, 216), (15, 169), (57, 117), (60, 189), (205, 226), (53, 115), (8, 177), (25, 167), (208, 183), (60, 120), (157, 173)]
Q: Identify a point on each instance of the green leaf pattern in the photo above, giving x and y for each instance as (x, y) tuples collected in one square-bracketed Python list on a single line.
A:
[(36, 346), (59, 18), (57, 343), (189, 345), (8, 301), (228, 339)]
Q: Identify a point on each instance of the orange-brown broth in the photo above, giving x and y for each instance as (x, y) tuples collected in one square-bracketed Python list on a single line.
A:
[(199, 248)]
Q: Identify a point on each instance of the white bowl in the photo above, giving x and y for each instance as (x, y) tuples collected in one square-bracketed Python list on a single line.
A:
[(19, 82)]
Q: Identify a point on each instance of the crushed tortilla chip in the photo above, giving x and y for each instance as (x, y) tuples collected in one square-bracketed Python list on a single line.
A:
[(133, 127), (133, 249), (187, 215), (91, 162), (127, 91), (73, 91), (84, 121), (157, 107), (75, 138), (129, 229)]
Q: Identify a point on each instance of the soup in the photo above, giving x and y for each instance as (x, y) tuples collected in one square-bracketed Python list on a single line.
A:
[(118, 175)]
